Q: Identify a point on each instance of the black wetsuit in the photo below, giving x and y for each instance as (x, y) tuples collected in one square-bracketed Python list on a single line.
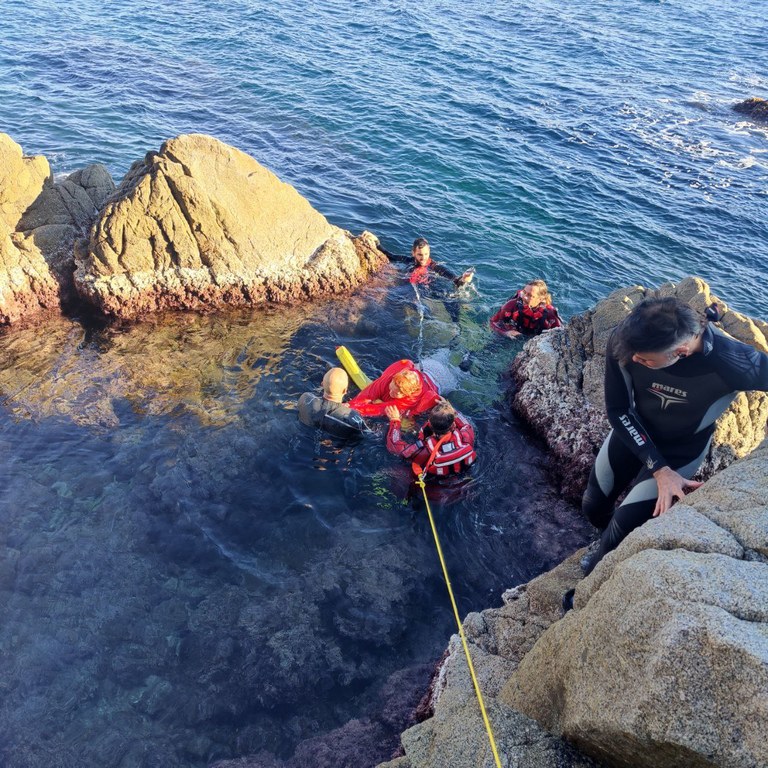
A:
[(337, 419), (662, 417)]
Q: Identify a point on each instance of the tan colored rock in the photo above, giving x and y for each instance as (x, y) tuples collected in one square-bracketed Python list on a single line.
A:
[(200, 225), (39, 222), (559, 377), (664, 660)]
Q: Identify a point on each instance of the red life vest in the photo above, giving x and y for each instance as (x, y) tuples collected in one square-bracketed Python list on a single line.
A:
[(419, 274), (448, 454)]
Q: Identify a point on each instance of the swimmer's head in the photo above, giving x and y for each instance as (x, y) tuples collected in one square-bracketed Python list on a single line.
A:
[(421, 251), (442, 417), (404, 384), (335, 384)]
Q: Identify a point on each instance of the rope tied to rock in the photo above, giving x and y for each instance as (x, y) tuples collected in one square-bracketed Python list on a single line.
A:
[(465, 645)]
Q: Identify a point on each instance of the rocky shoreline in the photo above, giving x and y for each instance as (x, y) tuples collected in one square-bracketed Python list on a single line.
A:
[(664, 660), (197, 226)]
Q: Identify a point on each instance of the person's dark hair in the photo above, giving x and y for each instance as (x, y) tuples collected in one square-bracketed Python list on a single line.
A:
[(420, 242), (655, 325), (441, 418)]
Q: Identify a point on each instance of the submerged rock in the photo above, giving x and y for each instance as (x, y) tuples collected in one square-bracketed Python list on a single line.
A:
[(201, 225), (559, 378), (39, 222), (755, 108), (664, 661)]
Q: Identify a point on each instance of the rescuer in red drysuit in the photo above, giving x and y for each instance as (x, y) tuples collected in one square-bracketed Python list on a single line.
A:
[(402, 385), (529, 312), (445, 444)]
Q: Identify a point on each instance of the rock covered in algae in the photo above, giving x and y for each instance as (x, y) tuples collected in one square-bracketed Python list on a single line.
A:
[(201, 225), (559, 377), (39, 222)]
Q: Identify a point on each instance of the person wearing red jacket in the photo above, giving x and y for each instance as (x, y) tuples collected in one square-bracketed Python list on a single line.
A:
[(529, 312), (401, 385), (445, 444)]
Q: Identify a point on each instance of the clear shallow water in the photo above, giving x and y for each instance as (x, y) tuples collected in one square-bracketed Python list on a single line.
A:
[(187, 573)]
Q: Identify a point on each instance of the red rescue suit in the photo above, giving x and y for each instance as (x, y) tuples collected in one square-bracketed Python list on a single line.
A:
[(447, 455), (364, 403), (518, 316)]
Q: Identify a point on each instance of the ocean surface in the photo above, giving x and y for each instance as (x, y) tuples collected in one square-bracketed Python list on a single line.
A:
[(186, 574)]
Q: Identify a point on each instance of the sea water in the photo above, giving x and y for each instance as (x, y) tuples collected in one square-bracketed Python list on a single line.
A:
[(187, 574)]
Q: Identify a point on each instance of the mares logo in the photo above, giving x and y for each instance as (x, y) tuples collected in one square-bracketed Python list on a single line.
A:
[(668, 395), (633, 433)]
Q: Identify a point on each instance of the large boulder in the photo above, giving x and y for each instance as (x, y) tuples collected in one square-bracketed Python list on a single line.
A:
[(39, 222), (201, 225), (559, 378), (664, 660)]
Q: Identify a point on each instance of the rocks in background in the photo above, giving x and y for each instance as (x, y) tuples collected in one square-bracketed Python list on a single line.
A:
[(39, 222), (559, 377), (664, 661), (200, 225), (754, 108)]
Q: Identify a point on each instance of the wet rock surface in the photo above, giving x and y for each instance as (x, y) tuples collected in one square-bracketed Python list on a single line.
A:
[(559, 384), (755, 108)]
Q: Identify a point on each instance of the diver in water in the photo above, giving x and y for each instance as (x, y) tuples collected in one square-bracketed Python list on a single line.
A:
[(329, 412), (422, 270), (528, 313)]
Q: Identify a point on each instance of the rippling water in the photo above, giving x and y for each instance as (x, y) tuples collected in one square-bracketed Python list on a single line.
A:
[(187, 573)]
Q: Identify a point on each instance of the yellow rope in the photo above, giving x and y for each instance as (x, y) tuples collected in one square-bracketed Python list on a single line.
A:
[(420, 481)]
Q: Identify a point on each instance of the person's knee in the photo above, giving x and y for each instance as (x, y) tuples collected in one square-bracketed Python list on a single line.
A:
[(595, 507)]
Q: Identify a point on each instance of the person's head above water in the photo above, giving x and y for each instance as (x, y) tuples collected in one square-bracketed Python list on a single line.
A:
[(535, 293), (420, 251), (442, 417), (404, 384), (335, 384), (658, 332)]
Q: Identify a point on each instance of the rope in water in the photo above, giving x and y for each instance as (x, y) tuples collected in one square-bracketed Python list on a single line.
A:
[(486, 721)]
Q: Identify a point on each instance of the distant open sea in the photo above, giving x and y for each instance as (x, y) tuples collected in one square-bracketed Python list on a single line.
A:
[(592, 144), (189, 575)]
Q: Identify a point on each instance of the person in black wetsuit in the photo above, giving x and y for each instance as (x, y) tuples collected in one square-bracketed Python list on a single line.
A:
[(328, 412), (422, 269), (668, 378)]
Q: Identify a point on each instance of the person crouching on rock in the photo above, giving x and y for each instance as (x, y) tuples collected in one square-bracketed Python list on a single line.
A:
[(402, 385), (444, 446), (669, 376), (328, 412), (528, 313)]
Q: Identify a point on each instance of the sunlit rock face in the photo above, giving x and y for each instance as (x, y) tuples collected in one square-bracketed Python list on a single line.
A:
[(39, 222), (200, 225), (664, 661), (560, 374)]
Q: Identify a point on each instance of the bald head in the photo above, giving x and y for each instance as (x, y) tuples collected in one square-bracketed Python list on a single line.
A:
[(335, 384)]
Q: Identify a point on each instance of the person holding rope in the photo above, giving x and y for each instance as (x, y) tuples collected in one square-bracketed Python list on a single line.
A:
[(669, 376)]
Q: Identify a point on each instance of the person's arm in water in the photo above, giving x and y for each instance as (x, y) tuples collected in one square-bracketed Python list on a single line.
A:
[(502, 322), (395, 257), (462, 279)]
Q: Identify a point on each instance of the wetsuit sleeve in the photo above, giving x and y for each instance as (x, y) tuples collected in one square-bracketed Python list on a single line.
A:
[(396, 258), (443, 271), (623, 417), (742, 367), (396, 444), (502, 320)]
